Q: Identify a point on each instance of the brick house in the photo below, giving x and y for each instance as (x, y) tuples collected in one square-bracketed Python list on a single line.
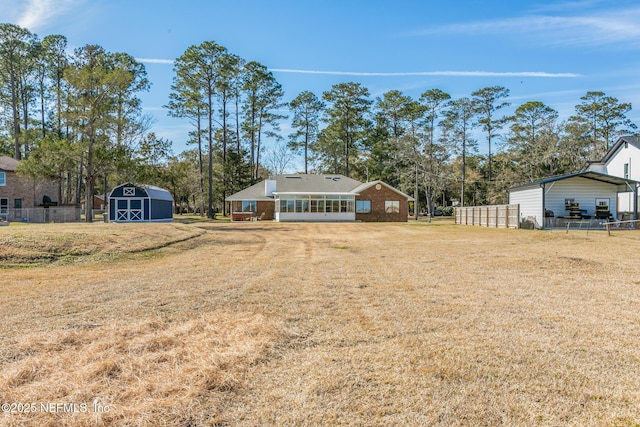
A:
[(320, 198), (17, 192)]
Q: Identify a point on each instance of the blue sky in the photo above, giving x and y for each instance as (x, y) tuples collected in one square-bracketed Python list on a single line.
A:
[(545, 50)]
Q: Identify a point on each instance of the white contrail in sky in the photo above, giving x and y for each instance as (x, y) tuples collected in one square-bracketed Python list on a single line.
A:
[(432, 73), (401, 74), (155, 61)]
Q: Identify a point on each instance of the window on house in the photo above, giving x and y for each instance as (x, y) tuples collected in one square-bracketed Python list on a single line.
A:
[(626, 170), (3, 179), (287, 205), (328, 206), (302, 205), (249, 206), (17, 203), (363, 206), (4, 205), (392, 206)]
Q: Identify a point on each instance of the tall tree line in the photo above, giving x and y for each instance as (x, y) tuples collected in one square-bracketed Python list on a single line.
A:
[(234, 105), (429, 147), (73, 118), (76, 118)]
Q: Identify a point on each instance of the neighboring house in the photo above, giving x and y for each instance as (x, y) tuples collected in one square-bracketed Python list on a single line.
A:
[(582, 195), (140, 203), (18, 193), (622, 160), (98, 203), (320, 198)]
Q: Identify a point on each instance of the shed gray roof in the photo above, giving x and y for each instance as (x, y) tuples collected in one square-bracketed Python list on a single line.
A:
[(8, 164), (158, 193), (153, 192)]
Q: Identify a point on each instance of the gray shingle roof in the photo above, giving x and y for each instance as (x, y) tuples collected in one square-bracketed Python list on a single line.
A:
[(308, 184), (299, 184), (314, 184)]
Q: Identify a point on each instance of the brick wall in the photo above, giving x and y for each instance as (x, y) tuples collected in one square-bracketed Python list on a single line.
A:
[(378, 197), (262, 206), (29, 190)]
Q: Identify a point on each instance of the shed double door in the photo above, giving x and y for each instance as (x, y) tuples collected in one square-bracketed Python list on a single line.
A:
[(129, 210)]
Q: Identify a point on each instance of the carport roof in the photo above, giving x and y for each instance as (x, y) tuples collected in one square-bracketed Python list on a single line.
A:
[(596, 176)]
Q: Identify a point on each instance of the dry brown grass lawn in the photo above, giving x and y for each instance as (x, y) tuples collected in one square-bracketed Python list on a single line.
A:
[(35, 244), (332, 324)]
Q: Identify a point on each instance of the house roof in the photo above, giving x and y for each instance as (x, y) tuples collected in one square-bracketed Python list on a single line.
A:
[(307, 184), (632, 140), (299, 184), (8, 164), (366, 185), (314, 184), (255, 192), (596, 176)]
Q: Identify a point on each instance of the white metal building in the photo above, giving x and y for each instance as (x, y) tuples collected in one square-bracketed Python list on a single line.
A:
[(589, 189)]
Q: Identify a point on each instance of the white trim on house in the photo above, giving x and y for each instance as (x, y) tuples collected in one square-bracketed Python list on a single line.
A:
[(314, 193)]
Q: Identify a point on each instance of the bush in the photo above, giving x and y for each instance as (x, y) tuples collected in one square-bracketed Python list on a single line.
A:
[(446, 210)]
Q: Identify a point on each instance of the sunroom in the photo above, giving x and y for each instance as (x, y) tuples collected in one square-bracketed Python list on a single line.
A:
[(315, 206)]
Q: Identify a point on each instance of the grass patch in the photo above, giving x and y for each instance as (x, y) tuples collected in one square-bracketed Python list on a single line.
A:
[(38, 244), (148, 373), (195, 219), (274, 324)]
